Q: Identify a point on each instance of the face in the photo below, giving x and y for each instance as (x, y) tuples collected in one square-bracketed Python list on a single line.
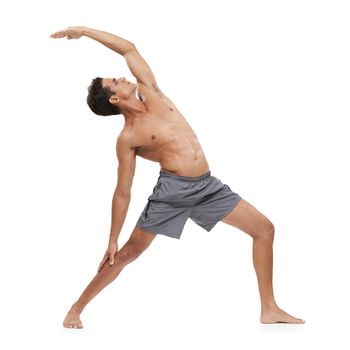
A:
[(122, 88)]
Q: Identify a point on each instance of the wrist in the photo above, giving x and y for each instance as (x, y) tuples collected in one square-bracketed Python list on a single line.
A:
[(86, 31), (113, 239)]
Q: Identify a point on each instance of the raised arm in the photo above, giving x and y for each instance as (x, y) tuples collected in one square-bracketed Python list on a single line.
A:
[(137, 65), (121, 198)]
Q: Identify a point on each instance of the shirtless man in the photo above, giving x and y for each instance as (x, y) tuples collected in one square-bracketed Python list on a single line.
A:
[(156, 130)]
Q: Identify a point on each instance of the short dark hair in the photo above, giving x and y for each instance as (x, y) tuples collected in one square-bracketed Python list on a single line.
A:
[(98, 99)]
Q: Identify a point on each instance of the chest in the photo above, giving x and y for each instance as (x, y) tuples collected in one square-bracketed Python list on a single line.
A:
[(162, 122), (154, 131)]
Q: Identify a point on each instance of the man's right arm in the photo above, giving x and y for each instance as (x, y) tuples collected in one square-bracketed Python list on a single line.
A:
[(122, 194)]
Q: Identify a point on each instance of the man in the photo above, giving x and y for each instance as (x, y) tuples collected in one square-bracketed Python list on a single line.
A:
[(156, 130)]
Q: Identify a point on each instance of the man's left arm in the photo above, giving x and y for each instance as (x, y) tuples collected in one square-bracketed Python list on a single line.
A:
[(136, 63)]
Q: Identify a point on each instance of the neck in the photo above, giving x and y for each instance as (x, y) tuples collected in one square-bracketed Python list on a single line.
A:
[(133, 109)]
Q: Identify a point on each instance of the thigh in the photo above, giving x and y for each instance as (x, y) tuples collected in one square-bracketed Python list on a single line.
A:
[(247, 218), (142, 239)]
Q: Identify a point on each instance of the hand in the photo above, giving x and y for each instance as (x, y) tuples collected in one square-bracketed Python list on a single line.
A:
[(109, 255), (70, 33)]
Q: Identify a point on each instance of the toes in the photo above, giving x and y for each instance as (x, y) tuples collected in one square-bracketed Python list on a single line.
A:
[(73, 325), (296, 320)]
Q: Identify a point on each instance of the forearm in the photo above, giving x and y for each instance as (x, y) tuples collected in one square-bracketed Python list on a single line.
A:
[(111, 41), (120, 205)]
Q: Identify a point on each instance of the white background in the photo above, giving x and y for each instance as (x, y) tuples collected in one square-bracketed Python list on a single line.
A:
[(265, 85)]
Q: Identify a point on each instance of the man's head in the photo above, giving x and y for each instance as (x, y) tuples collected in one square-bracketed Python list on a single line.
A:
[(107, 95)]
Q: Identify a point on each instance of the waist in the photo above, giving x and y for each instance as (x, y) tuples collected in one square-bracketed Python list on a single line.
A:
[(186, 178)]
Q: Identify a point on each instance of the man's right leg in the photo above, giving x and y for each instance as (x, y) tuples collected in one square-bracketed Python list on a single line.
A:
[(137, 243)]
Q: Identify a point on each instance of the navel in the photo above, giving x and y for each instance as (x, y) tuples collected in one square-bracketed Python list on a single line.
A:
[(153, 137), (170, 108)]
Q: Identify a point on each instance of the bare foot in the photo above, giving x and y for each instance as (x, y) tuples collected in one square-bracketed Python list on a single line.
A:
[(276, 315), (72, 319)]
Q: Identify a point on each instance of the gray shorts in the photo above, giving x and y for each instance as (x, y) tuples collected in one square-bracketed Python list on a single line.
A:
[(204, 199)]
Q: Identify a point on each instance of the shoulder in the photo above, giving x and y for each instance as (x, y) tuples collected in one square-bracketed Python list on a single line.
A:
[(145, 91), (124, 142)]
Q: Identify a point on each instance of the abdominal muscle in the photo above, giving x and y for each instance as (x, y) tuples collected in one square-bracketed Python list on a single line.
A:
[(171, 142), (184, 161)]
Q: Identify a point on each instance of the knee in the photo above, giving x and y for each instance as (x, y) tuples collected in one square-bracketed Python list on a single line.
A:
[(266, 232), (129, 252)]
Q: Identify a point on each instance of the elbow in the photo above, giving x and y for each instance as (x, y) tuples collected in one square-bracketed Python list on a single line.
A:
[(123, 194), (130, 47)]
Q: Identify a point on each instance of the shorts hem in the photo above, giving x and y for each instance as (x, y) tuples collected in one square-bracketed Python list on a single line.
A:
[(158, 233), (235, 202)]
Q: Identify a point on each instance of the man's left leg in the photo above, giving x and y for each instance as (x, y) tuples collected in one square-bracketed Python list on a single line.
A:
[(249, 220)]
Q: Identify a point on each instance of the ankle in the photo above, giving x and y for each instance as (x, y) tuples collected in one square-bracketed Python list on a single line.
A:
[(266, 307), (77, 308)]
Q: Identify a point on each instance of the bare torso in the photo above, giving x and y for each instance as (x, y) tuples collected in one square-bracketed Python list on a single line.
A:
[(163, 135)]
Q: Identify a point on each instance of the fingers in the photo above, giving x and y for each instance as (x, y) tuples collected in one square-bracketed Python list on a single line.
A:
[(59, 34), (62, 34), (111, 260), (70, 33), (109, 255)]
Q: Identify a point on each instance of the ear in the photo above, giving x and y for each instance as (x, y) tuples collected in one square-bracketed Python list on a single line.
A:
[(114, 100)]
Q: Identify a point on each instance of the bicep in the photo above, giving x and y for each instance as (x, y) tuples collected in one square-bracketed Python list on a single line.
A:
[(126, 167), (140, 69)]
